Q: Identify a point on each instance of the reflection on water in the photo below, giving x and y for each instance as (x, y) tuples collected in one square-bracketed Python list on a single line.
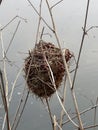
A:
[(69, 18)]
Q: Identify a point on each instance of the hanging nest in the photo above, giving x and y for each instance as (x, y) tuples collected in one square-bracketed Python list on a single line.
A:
[(43, 60)]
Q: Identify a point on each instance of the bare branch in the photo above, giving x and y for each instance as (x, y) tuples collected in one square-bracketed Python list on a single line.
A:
[(2, 88), (12, 37), (82, 41), (50, 114), (56, 4), (86, 110), (39, 15), (12, 21), (90, 127), (39, 21), (91, 28), (22, 110)]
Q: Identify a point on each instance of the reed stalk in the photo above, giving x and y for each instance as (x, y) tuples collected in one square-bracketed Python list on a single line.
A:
[(82, 42), (72, 91), (49, 111), (3, 94)]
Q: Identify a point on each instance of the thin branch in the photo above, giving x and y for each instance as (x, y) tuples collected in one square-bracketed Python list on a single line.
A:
[(4, 64), (12, 37), (8, 23), (18, 109), (12, 21), (63, 101), (95, 113), (66, 67), (50, 114), (56, 4), (90, 127), (91, 28), (22, 110), (42, 33), (2, 88), (39, 15), (55, 123), (47, 34), (13, 86), (5, 78), (86, 110), (39, 21), (82, 41)]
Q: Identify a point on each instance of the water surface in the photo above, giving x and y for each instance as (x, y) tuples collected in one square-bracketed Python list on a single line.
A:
[(69, 19)]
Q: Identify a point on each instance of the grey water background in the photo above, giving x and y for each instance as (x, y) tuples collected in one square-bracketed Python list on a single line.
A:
[(69, 18)]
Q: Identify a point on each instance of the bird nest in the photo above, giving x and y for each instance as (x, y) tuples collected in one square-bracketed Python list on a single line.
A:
[(44, 63)]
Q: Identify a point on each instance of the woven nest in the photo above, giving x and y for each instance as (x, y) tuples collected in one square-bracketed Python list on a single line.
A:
[(41, 61)]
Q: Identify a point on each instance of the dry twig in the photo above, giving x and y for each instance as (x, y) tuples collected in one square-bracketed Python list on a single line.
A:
[(2, 88)]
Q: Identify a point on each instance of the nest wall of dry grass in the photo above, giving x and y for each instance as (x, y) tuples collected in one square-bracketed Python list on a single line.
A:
[(37, 71)]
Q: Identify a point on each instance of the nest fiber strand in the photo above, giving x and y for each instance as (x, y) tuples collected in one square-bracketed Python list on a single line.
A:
[(37, 71)]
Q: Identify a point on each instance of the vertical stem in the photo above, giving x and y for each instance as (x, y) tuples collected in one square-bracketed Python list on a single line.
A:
[(50, 114), (4, 100), (4, 88), (12, 37), (63, 102), (72, 92), (54, 120), (22, 110), (82, 41), (95, 112), (39, 21)]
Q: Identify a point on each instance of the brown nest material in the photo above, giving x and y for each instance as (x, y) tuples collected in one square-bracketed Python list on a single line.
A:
[(37, 68)]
